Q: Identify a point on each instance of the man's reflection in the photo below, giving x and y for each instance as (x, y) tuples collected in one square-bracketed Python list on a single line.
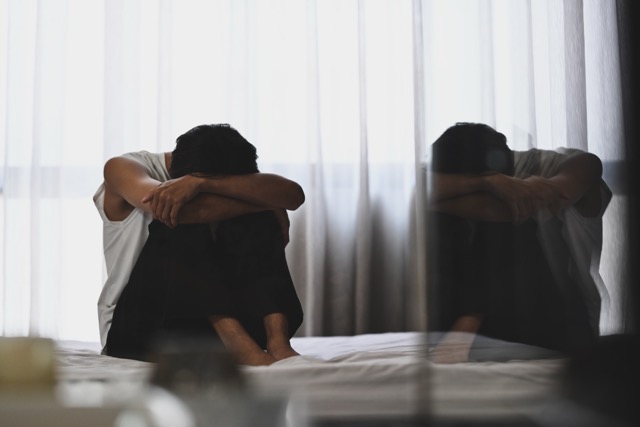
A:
[(514, 243)]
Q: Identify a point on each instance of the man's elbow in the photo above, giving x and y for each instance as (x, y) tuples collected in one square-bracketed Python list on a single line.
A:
[(594, 163), (592, 169), (296, 197)]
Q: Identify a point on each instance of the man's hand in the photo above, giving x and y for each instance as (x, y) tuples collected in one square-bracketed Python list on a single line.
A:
[(283, 221), (168, 198)]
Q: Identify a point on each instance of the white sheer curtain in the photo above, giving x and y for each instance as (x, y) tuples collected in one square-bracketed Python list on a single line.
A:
[(343, 96)]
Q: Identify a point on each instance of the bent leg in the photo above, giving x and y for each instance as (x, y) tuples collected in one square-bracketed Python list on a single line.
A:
[(252, 252), (174, 287), (236, 339), (451, 258), (277, 329)]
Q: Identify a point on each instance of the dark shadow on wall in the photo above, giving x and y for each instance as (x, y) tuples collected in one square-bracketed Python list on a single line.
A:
[(605, 378), (628, 33)]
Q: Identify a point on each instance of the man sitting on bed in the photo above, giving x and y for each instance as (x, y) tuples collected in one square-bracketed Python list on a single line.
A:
[(213, 263), (515, 242)]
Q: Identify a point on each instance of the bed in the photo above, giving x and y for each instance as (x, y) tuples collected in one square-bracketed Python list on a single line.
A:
[(337, 380)]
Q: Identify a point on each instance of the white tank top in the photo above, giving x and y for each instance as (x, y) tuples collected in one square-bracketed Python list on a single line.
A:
[(123, 241)]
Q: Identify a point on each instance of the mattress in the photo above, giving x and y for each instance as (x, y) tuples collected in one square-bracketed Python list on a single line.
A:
[(369, 376)]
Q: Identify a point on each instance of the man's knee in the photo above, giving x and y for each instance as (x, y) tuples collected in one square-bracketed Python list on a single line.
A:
[(250, 233)]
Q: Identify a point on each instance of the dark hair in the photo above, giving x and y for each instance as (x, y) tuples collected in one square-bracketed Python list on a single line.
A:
[(213, 149), (471, 148)]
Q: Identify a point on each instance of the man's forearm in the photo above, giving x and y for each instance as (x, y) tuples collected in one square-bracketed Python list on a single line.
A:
[(206, 208), (446, 185), (476, 206), (262, 189)]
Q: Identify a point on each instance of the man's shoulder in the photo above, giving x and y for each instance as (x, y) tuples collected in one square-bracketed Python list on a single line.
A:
[(546, 152), (543, 162), (154, 163), (143, 156)]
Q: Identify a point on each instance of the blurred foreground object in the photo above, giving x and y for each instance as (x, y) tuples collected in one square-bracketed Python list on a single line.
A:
[(598, 387), (196, 367), (605, 379), (195, 383), (28, 380), (27, 365)]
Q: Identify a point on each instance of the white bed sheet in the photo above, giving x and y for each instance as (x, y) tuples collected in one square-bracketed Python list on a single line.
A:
[(363, 376)]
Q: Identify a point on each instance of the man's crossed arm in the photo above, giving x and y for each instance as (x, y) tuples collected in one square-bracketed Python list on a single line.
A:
[(499, 197), (194, 199)]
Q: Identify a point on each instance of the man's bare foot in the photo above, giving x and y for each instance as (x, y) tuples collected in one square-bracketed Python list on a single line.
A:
[(255, 359), (283, 351), (239, 343), (453, 348), (277, 329)]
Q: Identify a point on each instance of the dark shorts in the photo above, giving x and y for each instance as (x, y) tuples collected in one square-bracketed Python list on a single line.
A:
[(188, 273), (499, 271)]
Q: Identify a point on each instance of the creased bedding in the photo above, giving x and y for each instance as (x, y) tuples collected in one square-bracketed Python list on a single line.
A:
[(371, 375)]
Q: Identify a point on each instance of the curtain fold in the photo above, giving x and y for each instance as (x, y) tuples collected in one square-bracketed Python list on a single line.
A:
[(343, 96)]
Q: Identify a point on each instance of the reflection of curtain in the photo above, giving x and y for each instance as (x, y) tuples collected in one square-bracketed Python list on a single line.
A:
[(342, 96)]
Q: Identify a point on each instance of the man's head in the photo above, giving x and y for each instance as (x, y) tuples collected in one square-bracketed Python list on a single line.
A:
[(471, 148), (216, 149)]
